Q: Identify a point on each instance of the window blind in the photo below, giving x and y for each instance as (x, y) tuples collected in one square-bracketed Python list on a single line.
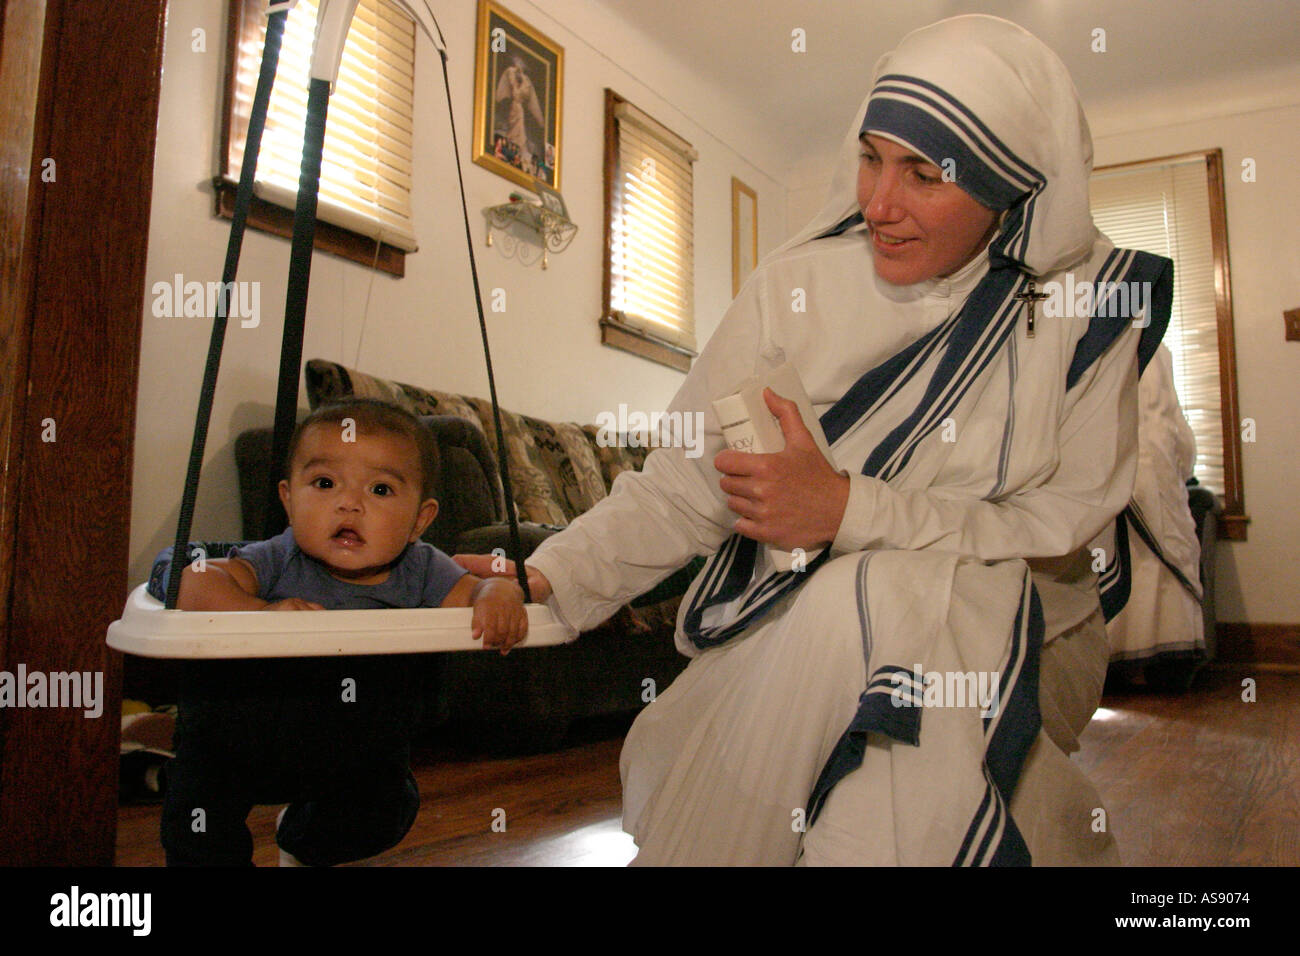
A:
[(367, 169), (1165, 209), (652, 229)]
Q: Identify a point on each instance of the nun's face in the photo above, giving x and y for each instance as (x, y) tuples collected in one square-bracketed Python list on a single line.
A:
[(922, 226)]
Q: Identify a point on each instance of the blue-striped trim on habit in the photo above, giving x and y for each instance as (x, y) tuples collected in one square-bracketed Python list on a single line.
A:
[(1115, 582), (970, 340), (993, 839), (1011, 245), (1139, 522), (872, 390), (933, 123), (970, 349), (733, 565), (1124, 266)]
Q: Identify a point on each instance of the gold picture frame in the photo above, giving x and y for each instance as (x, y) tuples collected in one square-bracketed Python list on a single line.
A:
[(744, 233), (518, 98)]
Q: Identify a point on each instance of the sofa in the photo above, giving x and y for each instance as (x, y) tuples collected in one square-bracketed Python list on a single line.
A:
[(527, 700)]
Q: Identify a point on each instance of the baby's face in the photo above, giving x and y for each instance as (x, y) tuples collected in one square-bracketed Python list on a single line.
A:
[(354, 505)]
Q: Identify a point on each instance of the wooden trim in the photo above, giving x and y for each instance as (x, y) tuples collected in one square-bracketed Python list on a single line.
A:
[(620, 336), (1193, 156), (234, 13), (278, 221), (612, 100), (1266, 644), (82, 259), (1233, 520), (22, 34)]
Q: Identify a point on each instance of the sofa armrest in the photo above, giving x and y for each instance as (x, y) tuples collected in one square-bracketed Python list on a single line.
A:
[(1202, 502), (485, 539)]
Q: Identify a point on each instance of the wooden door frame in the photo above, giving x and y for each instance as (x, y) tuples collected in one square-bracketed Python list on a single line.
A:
[(79, 85)]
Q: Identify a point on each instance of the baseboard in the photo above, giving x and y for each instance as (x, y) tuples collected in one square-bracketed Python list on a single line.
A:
[(1272, 644)]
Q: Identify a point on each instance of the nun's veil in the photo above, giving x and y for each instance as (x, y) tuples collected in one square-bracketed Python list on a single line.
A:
[(993, 98)]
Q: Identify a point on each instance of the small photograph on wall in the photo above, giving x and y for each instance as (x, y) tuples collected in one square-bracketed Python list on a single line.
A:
[(518, 98), (744, 233)]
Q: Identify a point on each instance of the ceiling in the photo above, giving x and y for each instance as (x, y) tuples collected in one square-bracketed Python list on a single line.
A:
[(1160, 47)]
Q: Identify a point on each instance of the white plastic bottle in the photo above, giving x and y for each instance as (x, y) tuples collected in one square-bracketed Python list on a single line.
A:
[(748, 426)]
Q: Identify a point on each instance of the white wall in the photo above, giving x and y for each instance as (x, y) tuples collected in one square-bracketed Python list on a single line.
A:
[(1256, 578), (807, 185), (423, 328)]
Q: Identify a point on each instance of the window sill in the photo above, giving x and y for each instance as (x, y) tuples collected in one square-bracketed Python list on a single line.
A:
[(617, 335), (268, 217)]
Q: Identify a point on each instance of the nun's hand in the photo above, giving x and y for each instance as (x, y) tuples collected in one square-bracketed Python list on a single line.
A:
[(495, 566), (791, 499)]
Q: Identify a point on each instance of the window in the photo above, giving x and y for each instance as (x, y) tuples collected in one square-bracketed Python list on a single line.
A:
[(649, 292), (1174, 207), (364, 210)]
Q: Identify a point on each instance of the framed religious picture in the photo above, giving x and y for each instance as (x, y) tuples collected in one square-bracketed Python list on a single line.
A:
[(744, 233), (518, 98)]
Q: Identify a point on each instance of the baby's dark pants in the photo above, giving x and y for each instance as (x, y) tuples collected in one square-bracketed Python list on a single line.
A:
[(328, 736)]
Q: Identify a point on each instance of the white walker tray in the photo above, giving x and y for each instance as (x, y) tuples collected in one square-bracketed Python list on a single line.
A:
[(147, 629)]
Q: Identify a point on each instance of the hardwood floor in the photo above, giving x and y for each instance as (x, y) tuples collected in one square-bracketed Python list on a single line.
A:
[(558, 809), (1201, 779)]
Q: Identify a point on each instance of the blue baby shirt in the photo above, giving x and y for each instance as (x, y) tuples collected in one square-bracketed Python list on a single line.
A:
[(422, 577)]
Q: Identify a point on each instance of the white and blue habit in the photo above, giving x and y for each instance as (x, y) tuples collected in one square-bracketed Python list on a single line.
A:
[(911, 697)]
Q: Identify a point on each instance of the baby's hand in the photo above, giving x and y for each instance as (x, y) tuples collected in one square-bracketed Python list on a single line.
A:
[(293, 604), (499, 615)]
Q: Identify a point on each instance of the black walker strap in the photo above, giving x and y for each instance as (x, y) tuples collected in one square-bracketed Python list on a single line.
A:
[(295, 302), (516, 546), (243, 199)]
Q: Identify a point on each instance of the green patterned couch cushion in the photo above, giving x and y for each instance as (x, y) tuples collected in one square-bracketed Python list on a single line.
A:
[(329, 381), (555, 474), (614, 459)]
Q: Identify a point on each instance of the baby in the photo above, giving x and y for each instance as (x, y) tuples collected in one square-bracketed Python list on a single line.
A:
[(328, 735)]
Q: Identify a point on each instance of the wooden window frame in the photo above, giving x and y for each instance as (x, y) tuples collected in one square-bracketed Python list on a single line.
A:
[(275, 219), (614, 330), (1233, 521)]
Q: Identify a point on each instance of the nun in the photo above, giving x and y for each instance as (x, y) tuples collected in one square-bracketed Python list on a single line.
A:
[(910, 693)]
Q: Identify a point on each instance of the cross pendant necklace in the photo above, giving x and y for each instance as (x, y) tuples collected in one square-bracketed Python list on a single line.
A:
[(1030, 297)]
